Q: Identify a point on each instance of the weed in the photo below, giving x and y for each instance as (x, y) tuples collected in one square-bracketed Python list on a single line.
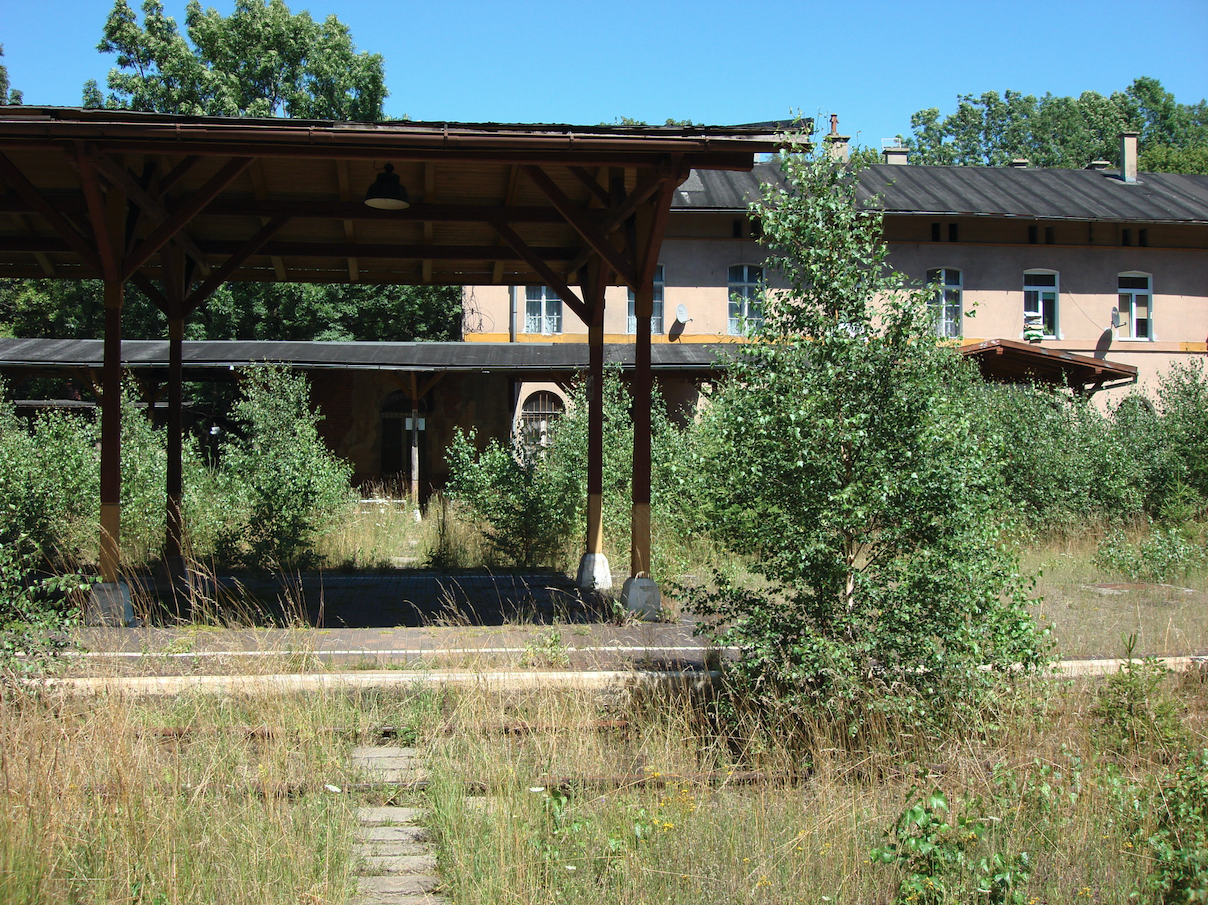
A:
[(1135, 714)]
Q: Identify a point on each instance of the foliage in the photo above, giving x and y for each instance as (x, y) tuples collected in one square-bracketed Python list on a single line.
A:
[(1135, 716), (1065, 461), (939, 862), (1162, 555), (993, 129), (62, 309), (262, 60), (1179, 846), (528, 506), (842, 457), (279, 474), (7, 95), (36, 614)]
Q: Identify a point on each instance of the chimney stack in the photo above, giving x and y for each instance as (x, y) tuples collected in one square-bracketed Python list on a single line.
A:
[(896, 154), (836, 144), (1128, 156)]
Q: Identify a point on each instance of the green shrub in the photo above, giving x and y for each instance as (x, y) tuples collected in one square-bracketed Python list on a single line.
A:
[(279, 476), (1164, 554), (36, 614), (1179, 846), (841, 456), (1135, 714)]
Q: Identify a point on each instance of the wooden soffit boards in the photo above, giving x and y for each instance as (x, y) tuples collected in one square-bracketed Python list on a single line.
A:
[(281, 200)]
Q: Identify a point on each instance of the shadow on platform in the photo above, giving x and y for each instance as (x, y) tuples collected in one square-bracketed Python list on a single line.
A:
[(371, 600)]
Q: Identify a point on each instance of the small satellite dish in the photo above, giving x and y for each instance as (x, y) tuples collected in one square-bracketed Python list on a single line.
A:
[(1116, 317), (681, 314)]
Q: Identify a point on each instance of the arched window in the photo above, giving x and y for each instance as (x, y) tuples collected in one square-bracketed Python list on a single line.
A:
[(947, 300), (536, 415), (1135, 306)]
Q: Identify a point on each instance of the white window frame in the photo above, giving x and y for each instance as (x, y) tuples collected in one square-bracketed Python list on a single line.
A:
[(1127, 303), (656, 319), (948, 301), (745, 284), (1033, 301), (542, 311)]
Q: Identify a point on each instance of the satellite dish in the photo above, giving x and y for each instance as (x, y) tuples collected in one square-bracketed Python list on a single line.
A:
[(681, 314), (1116, 317)]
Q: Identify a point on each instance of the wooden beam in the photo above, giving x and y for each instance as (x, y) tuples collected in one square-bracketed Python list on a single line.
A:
[(429, 196), (260, 187), (574, 216), (509, 198), (349, 228), (151, 291), (233, 263), (592, 184), (44, 262), (195, 204), (58, 223), (176, 174), (122, 178), (543, 270), (618, 214)]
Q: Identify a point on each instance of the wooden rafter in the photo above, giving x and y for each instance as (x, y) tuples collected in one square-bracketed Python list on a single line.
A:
[(195, 204), (260, 187), (622, 210), (597, 240), (122, 179), (350, 234), (593, 185), (177, 173), (57, 221), (429, 232), (551, 279), (509, 198), (234, 262)]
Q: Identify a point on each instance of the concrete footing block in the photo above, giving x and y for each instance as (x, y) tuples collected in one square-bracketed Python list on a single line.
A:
[(594, 573), (109, 604), (641, 598)]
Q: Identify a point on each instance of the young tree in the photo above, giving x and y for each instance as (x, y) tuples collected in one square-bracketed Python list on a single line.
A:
[(262, 60), (840, 455)]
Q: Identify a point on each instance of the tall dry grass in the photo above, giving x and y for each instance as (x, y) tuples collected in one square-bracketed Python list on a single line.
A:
[(98, 804), (680, 824)]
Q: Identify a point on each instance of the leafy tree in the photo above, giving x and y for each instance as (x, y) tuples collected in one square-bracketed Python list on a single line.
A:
[(1051, 131), (262, 60), (841, 456), (7, 96)]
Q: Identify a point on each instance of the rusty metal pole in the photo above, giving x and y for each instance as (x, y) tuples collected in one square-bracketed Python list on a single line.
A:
[(111, 433)]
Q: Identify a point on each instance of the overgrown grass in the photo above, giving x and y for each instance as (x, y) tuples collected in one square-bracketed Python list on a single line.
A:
[(197, 799), (674, 822)]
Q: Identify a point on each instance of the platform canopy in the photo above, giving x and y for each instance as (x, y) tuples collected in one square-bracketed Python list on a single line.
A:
[(179, 205)]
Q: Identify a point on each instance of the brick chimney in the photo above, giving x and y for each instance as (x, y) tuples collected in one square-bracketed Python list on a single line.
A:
[(836, 144), (1128, 156)]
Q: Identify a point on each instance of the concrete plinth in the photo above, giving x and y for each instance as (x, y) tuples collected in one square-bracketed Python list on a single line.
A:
[(109, 604), (641, 598), (594, 573)]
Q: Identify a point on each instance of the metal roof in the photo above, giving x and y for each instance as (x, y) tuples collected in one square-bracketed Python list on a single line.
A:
[(1034, 194), (432, 356), (1012, 361)]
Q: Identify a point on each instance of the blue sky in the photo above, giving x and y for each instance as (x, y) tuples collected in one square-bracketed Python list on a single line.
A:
[(874, 63)]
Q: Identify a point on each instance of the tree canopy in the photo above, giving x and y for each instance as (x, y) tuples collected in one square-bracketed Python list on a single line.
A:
[(7, 96), (1052, 131), (262, 60)]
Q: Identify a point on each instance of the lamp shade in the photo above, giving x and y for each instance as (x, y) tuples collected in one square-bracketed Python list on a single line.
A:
[(387, 193)]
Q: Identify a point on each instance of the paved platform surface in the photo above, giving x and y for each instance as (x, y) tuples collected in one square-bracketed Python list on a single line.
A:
[(364, 600)]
